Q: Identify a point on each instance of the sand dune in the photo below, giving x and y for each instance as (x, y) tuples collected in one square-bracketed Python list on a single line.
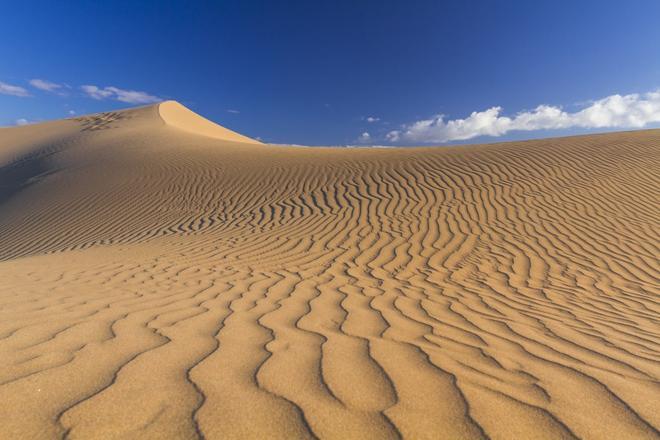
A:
[(163, 277)]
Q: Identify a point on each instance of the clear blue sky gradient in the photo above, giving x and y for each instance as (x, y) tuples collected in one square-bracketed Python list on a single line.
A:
[(309, 72)]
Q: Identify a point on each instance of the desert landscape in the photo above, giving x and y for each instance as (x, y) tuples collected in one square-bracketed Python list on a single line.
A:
[(164, 277)]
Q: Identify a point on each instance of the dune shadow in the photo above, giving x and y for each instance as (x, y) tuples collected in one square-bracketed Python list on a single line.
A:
[(19, 175)]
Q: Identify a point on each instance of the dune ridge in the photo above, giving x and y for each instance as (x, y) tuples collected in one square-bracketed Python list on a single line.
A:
[(178, 116), (154, 285)]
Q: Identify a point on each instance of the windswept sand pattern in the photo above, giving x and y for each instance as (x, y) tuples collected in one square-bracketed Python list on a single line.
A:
[(100, 121), (160, 284)]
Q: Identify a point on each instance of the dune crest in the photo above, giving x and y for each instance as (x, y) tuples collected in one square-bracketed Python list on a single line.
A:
[(177, 115), (155, 283)]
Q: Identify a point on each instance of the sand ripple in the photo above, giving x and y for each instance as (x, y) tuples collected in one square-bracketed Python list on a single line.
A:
[(159, 284)]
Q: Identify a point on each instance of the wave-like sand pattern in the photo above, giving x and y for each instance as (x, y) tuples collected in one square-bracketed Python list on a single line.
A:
[(156, 283)]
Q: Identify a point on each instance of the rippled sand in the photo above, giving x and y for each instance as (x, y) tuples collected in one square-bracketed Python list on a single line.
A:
[(161, 277)]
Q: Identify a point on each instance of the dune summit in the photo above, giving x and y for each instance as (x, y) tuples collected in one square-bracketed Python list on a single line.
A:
[(164, 277), (176, 115)]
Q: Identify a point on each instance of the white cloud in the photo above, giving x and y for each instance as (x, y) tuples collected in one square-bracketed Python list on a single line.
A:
[(371, 119), (132, 96), (22, 121), (8, 89), (615, 111), (393, 136), (117, 94), (364, 137), (46, 85), (232, 111), (95, 92)]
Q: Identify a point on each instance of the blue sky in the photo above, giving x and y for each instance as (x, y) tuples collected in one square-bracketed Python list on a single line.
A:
[(326, 73)]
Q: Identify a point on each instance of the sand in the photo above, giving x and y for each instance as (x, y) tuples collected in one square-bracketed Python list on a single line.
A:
[(164, 277)]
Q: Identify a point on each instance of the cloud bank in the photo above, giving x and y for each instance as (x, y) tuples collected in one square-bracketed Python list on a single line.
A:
[(615, 111), (8, 89), (91, 91), (117, 94)]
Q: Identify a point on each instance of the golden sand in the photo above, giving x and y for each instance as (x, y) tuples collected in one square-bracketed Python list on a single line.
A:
[(163, 277)]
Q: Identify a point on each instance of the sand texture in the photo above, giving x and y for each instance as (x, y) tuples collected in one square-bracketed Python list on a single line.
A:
[(163, 277)]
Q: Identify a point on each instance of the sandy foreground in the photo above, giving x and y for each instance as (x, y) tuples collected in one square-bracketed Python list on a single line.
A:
[(163, 277)]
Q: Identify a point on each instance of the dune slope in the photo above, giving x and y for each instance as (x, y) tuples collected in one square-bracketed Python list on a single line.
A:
[(163, 277)]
